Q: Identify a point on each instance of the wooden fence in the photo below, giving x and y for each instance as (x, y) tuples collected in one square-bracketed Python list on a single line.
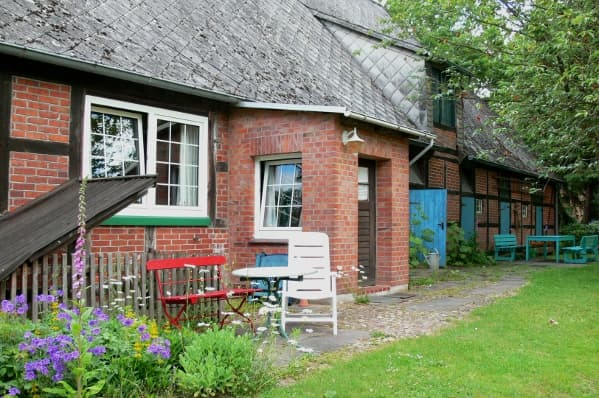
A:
[(112, 280)]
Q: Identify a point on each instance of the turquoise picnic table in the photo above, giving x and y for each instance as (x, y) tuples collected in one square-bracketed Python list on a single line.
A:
[(558, 239)]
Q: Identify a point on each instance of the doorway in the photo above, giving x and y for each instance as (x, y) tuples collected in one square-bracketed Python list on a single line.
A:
[(367, 222)]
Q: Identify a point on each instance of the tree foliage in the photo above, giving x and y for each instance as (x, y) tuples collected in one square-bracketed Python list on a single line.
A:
[(537, 59)]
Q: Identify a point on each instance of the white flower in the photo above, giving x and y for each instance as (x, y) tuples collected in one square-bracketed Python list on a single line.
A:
[(309, 330), (203, 324), (261, 329)]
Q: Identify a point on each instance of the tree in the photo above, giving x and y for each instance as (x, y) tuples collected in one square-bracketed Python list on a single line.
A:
[(538, 60)]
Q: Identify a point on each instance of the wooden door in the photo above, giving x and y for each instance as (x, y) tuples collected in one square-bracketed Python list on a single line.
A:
[(367, 222), (428, 212)]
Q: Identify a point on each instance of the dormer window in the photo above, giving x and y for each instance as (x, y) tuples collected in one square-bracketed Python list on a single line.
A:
[(443, 101)]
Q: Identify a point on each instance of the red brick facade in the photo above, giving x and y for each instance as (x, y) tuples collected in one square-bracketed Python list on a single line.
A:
[(41, 112)]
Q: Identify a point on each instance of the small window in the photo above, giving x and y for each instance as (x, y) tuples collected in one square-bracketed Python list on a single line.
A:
[(524, 211), (479, 206), (281, 195), (127, 139), (443, 101)]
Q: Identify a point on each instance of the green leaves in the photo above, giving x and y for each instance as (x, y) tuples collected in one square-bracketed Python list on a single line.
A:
[(538, 58)]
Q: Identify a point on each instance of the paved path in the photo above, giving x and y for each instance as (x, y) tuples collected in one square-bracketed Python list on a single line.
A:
[(431, 308)]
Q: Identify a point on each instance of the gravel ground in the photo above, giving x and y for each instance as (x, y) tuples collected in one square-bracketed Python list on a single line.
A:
[(432, 307)]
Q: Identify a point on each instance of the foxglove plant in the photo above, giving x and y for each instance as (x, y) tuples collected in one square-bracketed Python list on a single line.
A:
[(79, 255)]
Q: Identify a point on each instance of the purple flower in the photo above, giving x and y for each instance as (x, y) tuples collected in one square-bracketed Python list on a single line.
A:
[(145, 336), (7, 307), (19, 306), (98, 350), (13, 391), (160, 348), (46, 298), (124, 320), (100, 314)]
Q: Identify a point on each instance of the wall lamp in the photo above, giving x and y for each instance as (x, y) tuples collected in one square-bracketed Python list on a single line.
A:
[(352, 140)]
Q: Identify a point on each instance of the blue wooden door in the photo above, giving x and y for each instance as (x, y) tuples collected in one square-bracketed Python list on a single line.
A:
[(468, 217), (432, 204), (539, 220), (505, 221)]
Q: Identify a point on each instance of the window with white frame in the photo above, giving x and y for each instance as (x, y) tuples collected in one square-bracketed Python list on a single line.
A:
[(125, 139), (279, 184), (479, 206), (524, 211)]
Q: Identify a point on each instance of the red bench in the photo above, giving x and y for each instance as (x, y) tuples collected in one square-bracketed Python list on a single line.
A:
[(197, 281)]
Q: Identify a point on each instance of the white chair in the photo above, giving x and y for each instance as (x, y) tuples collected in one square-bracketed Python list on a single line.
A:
[(310, 250)]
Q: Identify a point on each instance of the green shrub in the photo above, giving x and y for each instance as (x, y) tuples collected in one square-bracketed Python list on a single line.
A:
[(579, 230), (219, 362), (417, 242), (11, 359), (462, 252)]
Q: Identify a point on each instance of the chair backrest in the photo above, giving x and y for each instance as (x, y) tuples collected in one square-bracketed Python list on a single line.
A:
[(310, 250), (503, 240), (589, 242)]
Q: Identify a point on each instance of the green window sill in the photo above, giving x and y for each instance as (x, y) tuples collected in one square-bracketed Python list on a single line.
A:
[(159, 221)]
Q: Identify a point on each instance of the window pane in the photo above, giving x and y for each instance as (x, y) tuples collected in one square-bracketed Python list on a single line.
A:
[(282, 195), (178, 155), (114, 145)]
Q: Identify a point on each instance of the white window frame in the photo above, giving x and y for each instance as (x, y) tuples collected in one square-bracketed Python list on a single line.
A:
[(524, 211), (479, 206), (148, 206), (261, 232)]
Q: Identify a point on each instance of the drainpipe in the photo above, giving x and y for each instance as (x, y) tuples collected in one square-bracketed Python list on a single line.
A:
[(425, 150)]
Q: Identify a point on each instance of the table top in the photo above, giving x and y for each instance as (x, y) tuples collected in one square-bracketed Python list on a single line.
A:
[(272, 272), (551, 237)]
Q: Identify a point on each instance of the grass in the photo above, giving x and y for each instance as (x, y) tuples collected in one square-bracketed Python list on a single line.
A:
[(544, 342)]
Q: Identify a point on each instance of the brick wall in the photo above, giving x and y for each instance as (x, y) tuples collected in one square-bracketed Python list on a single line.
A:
[(329, 183), (40, 111)]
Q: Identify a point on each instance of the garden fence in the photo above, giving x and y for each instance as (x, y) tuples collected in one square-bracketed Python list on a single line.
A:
[(112, 280)]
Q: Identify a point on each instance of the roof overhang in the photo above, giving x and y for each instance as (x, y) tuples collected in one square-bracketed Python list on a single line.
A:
[(341, 110), (50, 221), (103, 70)]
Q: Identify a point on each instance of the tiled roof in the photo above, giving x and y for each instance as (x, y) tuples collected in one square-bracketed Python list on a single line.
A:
[(50, 221), (485, 143), (260, 50)]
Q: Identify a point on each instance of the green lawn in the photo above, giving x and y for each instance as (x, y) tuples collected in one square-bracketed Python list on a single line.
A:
[(544, 342)]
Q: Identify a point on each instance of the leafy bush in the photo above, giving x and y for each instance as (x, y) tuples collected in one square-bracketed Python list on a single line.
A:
[(417, 242), (579, 230), (219, 362), (462, 252), (12, 329)]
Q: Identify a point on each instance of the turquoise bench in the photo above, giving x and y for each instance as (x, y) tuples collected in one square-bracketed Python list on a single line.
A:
[(505, 247), (580, 254)]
